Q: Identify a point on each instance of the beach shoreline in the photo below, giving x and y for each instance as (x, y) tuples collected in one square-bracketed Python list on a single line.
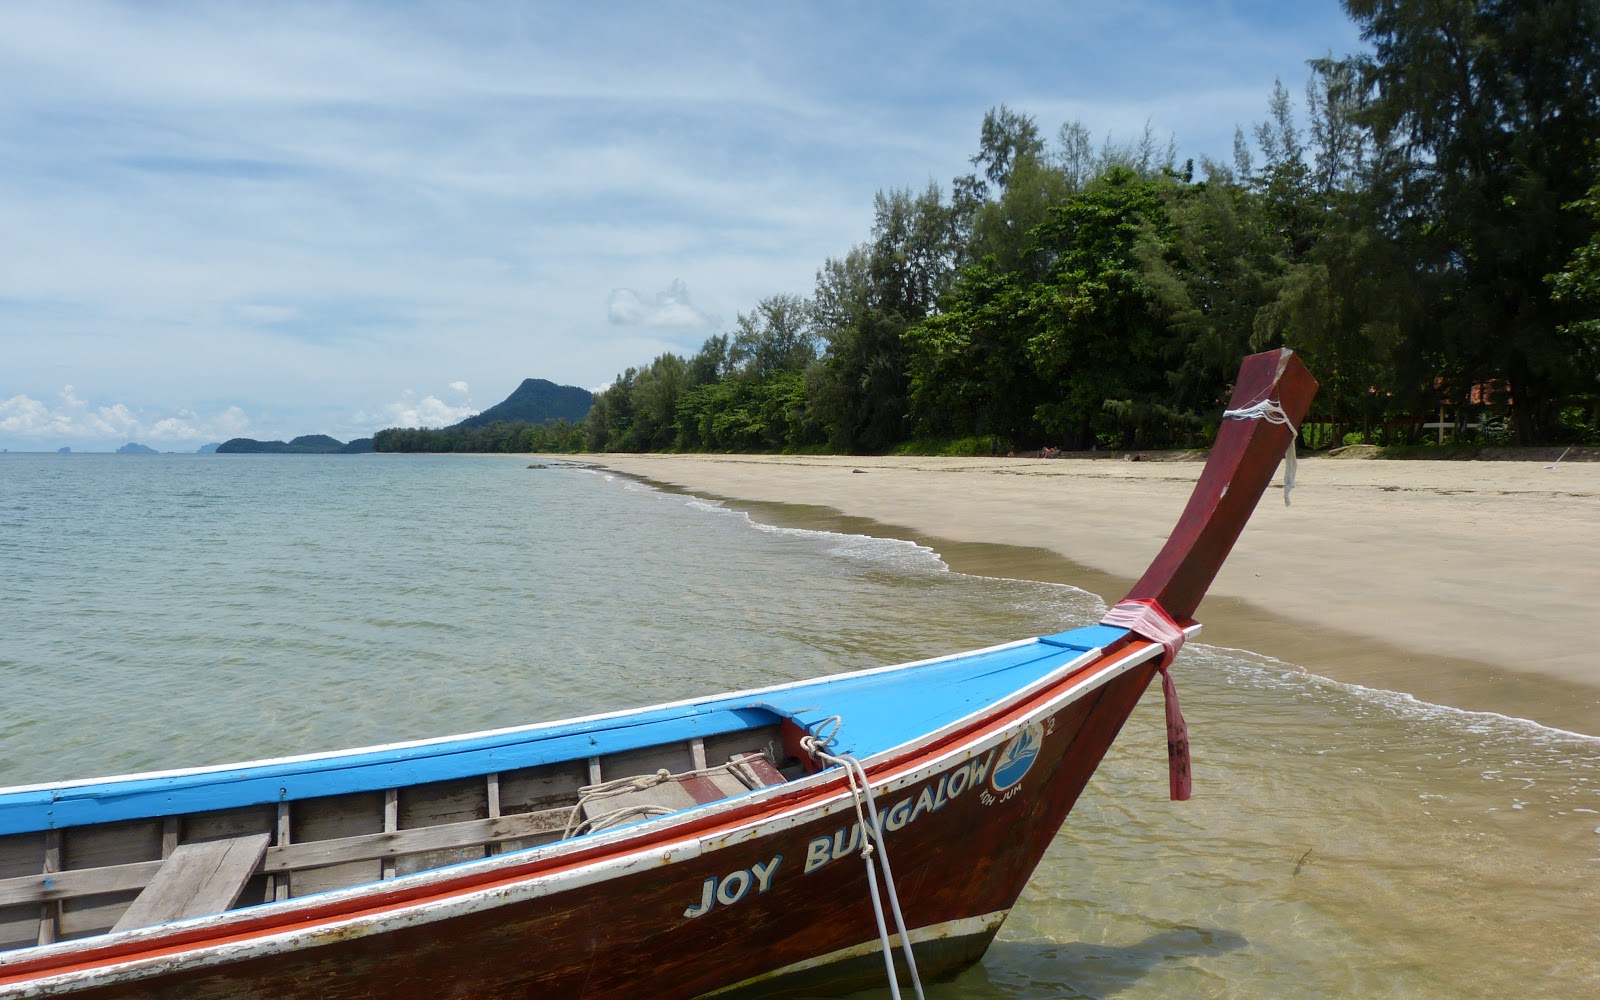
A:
[(1458, 583)]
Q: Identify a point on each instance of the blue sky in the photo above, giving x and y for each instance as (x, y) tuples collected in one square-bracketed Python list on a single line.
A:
[(266, 220)]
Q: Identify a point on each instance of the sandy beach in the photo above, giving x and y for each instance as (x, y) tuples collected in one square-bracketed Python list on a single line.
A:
[(1469, 584)]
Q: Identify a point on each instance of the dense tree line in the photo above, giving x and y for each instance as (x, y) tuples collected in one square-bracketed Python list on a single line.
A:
[(550, 436), (1425, 229)]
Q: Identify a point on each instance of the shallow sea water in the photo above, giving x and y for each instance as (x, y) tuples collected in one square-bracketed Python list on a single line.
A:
[(169, 610)]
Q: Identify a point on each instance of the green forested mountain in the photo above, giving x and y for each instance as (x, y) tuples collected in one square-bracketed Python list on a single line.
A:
[(535, 401), (538, 416)]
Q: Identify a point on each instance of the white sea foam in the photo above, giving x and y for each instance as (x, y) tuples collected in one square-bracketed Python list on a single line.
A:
[(1268, 669), (1069, 605), (1078, 607)]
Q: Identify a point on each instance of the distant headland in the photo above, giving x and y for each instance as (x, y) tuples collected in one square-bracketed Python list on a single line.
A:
[(535, 406), (538, 416), (305, 444)]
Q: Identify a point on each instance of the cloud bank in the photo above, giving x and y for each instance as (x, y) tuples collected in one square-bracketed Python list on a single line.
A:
[(272, 219)]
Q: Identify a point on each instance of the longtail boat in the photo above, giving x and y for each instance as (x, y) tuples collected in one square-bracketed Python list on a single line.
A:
[(858, 829)]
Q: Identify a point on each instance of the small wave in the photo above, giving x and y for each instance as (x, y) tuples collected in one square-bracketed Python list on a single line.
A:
[(1475, 722), (1064, 602), (896, 554)]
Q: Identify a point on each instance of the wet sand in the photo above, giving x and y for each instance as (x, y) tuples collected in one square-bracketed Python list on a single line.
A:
[(1469, 584)]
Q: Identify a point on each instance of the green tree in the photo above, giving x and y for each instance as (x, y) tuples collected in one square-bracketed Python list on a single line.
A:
[(1093, 337), (1491, 108), (655, 403), (968, 364), (1577, 287), (1214, 264), (862, 306), (1341, 287)]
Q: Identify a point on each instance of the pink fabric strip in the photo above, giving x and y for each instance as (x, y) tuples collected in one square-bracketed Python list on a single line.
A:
[(1148, 620)]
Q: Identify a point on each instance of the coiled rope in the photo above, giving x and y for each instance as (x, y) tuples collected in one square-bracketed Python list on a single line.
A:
[(1273, 413), (590, 794), (817, 745)]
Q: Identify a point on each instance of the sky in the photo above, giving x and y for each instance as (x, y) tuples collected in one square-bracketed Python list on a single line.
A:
[(265, 220)]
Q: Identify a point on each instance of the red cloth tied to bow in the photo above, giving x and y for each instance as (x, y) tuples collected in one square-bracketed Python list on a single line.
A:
[(1148, 620)]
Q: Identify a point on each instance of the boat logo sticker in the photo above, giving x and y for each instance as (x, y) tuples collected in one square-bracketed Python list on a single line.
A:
[(1016, 758)]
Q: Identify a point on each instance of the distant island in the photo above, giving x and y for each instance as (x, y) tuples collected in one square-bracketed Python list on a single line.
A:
[(134, 448), (306, 444), (207, 449)]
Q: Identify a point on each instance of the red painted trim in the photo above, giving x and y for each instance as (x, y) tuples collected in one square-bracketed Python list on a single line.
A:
[(1237, 472)]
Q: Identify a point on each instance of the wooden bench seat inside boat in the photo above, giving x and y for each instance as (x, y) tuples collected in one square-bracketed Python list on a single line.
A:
[(198, 879)]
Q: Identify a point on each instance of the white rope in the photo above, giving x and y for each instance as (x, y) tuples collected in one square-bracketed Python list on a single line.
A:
[(1270, 411), (861, 789), (589, 794)]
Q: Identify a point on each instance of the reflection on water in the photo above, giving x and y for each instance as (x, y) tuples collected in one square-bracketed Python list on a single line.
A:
[(1341, 842)]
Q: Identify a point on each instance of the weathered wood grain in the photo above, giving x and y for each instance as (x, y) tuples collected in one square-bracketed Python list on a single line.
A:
[(197, 879), (396, 843)]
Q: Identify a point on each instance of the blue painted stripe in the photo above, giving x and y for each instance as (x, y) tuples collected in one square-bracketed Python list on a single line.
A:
[(1087, 638)]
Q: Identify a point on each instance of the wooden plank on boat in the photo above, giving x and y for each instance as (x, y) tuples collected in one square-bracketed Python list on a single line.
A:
[(330, 818), (543, 787), (755, 770), (280, 883), (197, 879), (50, 913), (21, 855), (671, 757), (312, 854), (77, 882), (391, 823)]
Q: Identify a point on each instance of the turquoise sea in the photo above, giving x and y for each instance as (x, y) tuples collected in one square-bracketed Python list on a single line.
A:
[(175, 610)]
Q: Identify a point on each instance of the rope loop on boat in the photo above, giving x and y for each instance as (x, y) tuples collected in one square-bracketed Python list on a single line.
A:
[(590, 794), (1273, 413), (1147, 619), (817, 743)]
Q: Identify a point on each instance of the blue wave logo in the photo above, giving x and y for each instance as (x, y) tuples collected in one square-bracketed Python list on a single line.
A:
[(1017, 757)]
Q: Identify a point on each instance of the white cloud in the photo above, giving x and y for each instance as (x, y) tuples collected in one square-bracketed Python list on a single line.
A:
[(80, 423), (189, 426), (459, 386), (410, 411), (22, 415), (670, 308)]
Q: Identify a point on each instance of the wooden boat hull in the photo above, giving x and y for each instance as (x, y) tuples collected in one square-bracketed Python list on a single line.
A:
[(767, 903)]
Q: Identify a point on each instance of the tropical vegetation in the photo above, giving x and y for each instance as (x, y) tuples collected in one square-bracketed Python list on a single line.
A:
[(1424, 229)]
